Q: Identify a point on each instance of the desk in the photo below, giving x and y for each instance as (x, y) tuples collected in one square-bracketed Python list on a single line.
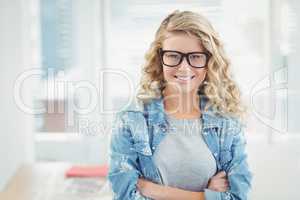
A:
[(46, 181)]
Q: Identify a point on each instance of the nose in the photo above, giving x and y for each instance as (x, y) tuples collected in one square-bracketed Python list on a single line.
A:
[(184, 64)]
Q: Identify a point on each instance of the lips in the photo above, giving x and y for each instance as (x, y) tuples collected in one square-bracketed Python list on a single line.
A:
[(184, 78)]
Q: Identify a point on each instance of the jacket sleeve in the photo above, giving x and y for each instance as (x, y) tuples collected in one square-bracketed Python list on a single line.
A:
[(238, 173), (124, 169)]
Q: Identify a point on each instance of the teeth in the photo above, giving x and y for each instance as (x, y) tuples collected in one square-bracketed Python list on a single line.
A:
[(185, 78)]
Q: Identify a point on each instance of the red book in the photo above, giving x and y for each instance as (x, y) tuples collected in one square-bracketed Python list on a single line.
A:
[(87, 171)]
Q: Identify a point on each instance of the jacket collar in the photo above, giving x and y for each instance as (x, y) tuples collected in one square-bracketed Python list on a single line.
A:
[(155, 110)]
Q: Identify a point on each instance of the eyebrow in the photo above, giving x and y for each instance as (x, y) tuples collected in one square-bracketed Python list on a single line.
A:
[(171, 50)]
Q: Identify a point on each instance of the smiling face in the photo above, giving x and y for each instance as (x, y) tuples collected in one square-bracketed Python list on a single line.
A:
[(183, 77)]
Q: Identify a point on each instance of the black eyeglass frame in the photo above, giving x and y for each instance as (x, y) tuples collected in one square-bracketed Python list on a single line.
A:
[(161, 53)]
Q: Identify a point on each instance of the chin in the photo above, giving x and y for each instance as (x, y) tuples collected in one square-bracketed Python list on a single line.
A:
[(186, 90)]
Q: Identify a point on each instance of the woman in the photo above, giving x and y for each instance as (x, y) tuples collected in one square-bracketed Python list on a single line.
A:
[(186, 140)]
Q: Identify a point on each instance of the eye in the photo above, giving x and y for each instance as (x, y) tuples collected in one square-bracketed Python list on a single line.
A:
[(172, 55), (196, 56)]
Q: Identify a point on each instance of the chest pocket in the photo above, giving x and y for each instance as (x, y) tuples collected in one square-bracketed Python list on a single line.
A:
[(144, 159), (143, 148), (140, 136)]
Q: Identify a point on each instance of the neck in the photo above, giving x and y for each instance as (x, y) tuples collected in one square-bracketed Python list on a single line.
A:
[(181, 104)]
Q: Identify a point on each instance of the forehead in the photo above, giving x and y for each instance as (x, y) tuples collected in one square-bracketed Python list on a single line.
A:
[(182, 42)]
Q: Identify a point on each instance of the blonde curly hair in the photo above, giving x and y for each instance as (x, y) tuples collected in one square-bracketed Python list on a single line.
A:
[(218, 86)]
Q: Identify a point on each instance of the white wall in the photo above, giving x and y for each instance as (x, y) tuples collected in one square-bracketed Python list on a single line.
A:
[(275, 160), (88, 58), (293, 72), (15, 141)]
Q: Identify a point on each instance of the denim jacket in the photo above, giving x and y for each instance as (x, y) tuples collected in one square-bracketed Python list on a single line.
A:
[(137, 133)]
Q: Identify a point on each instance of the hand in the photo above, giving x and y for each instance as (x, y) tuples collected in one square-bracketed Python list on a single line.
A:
[(141, 184), (144, 186), (218, 182)]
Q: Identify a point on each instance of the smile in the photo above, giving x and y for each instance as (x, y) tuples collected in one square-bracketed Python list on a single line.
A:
[(184, 78)]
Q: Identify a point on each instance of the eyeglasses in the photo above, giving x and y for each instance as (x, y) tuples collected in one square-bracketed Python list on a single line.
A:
[(174, 58)]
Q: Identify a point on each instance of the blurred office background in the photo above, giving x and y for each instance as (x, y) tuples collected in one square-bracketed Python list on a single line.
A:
[(75, 59)]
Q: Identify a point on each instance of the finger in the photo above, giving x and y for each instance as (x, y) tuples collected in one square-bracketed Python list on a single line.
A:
[(221, 179), (218, 181), (221, 189), (224, 188), (224, 178), (227, 182), (223, 184), (220, 174)]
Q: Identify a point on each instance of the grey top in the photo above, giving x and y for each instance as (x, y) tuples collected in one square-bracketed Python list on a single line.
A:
[(183, 158)]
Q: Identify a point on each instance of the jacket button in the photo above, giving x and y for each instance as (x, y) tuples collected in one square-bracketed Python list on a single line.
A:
[(163, 127)]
